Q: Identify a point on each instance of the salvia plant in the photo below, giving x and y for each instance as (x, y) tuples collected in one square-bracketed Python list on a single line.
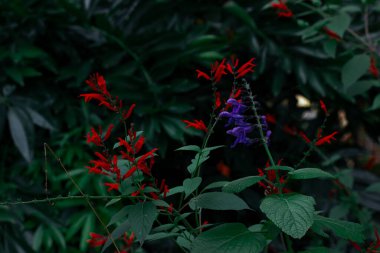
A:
[(150, 210)]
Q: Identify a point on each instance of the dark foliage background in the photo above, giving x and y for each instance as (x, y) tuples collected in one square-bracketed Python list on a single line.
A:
[(148, 52)]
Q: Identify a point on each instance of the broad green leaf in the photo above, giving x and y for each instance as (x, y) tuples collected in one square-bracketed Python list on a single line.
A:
[(191, 184), (19, 132), (241, 184), (160, 235), (175, 190), (190, 148), (373, 187), (346, 178), (141, 218), (292, 213), (309, 173), (122, 213), (339, 211), (215, 185), (344, 229), (286, 168), (340, 23), (375, 104), (240, 13), (361, 87), (329, 46), (229, 238), (355, 68), (218, 201)]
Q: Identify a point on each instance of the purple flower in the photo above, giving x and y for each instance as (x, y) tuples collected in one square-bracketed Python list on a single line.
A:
[(240, 133)]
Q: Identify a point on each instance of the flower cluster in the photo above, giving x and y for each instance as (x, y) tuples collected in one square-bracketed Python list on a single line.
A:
[(283, 9), (98, 240)]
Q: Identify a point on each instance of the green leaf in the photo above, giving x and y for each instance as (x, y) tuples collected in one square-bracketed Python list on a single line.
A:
[(375, 104), (355, 68), (191, 184), (190, 148), (309, 173), (160, 235), (236, 10), (141, 218), (197, 161), (292, 213), (373, 187), (15, 74), (175, 190), (344, 229), (229, 238), (218, 201), (87, 228), (19, 132), (340, 23), (58, 237), (361, 87), (286, 168), (329, 46), (215, 185), (208, 149), (241, 184), (112, 201), (122, 213), (37, 238)]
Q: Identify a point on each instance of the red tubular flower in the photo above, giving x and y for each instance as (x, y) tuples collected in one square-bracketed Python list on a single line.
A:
[(112, 186), (94, 137), (283, 10), (170, 208), (218, 70), (326, 139), (139, 144), (323, 106), (303, 136), (127, 146), (89, 96), (96, 240), (202, 74), (108, 133), (218, 102), (331, 34), (142, 165), (130, 172), (246, 68), (128, 114), (372, 68), (197, 124)]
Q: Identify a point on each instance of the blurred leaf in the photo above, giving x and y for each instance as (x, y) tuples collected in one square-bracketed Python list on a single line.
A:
[(329, 46), (355, 68), (361, 87), (218, 201), (14, 74), (228, 238), (214, 185), (38, 119), (373, 187), (37, 238), (17, 125), (375, 104), (189, 148), (344, 229), (340, 23), (236, 10)]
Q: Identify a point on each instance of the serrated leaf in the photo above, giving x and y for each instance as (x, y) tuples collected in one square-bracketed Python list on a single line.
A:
[(229, 238), (286, 168), (218, 201), (309, 173), (241, 184), (344, 229), (141, 218), (373, 187), (292, 213), (190, 148), (355, 68), (215, 185), (191, 184)]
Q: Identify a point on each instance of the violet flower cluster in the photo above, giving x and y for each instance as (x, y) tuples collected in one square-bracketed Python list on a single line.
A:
[(240, 125)]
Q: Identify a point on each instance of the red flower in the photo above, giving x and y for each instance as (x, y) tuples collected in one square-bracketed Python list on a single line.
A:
[(331, 34), (108, 133), (128, 114), (303, 136), (142, 165), (139, 144), (218, 102), (372, 68), (326, 139), (202, 74), (197, 124), (98, 83), (130, 172), (96, 240), (170, 208), (246, 68), (94, 137), (112, 186), (323, 106), (218, 70), (283, 10), (89, 96)]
